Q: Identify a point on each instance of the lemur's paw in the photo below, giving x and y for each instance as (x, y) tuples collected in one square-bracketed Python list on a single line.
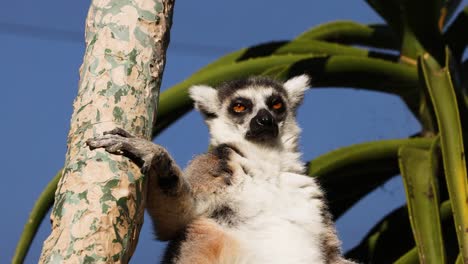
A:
[(121, 142), (228, 160)]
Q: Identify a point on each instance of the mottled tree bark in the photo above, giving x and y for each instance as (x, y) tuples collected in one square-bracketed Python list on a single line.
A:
[(99, 202)]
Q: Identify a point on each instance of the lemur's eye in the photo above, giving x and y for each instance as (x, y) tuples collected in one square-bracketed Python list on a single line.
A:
[(277, 105), (238, 108)]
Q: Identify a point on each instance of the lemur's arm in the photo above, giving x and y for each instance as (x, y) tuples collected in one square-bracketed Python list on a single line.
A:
[(169, 201)]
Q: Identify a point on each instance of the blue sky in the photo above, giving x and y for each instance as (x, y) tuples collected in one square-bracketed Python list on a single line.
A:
[(42, 48)]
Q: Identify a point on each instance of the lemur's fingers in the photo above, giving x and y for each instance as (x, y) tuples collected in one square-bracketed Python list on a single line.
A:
[(229, 158), (119, 131), (103, 142), (237, 162), (142, 151), (115, 148)]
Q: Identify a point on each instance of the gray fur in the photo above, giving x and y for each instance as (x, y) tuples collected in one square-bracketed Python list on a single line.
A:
[(209, 212)]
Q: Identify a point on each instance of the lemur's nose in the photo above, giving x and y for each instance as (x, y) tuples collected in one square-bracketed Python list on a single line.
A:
[(264, 118)]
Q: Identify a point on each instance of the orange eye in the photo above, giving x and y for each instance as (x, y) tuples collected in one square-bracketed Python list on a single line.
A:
[(277, 105), (238, 108)]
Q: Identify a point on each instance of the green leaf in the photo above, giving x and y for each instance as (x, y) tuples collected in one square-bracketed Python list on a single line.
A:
[(449, 237), (411, 257), (352, 33), (440, 88), (343, 32), (390, 240), (421, 32), (339, 70), (175, 102), (42, 205), (419, 169), (364, 166), (418, 33), (299, 46)]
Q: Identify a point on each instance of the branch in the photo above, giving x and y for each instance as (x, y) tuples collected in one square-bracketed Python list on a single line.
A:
[(99, 203)]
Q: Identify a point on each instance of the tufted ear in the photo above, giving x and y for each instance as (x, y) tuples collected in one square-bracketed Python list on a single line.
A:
[(296, 87), (205, 99)]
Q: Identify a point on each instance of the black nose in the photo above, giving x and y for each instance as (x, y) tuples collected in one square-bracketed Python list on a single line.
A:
[(264, 118), (263, 127)]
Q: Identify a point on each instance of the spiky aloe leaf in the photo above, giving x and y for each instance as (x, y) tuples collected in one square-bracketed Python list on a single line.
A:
[(439, 84), (421, 32), (390, 240), (352, 33), (419, 168), (364, 166), (418, 33), (339, 70), (412, 256), (299, 46), (175, 102), (343, 32)]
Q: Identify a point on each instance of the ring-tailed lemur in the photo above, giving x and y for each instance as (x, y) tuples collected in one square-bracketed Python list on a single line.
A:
[(247, 200)]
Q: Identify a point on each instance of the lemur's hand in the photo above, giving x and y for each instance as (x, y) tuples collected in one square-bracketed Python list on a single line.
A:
[(228, 161), (143, 152)]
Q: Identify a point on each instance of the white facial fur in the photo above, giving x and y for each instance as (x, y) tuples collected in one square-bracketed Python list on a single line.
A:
[(224, 129), (296, 88)]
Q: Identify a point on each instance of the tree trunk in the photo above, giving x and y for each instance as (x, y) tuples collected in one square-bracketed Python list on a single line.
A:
[(99, 202)]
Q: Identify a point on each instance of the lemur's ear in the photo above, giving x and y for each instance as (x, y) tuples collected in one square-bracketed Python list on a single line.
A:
[(205, 99), (296, 87)]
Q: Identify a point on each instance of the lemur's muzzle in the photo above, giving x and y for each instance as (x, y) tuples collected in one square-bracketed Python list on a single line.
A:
[(263, 126)]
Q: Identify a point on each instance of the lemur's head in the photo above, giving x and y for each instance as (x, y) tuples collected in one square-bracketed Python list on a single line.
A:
[(257, 109)]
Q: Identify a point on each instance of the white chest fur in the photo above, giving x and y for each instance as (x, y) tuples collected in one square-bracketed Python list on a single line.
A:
[(280, 213)]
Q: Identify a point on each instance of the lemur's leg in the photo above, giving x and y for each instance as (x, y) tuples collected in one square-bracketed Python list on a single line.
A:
[(203, 242), (169, 202)]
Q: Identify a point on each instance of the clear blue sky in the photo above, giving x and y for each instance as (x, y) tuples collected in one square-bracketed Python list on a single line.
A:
[(42, 48)]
